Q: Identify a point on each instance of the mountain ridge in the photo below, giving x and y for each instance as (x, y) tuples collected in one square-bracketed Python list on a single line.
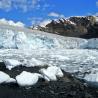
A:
[(75, 26)]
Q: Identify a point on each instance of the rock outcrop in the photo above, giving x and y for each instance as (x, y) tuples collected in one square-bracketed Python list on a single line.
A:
[(79, 26)]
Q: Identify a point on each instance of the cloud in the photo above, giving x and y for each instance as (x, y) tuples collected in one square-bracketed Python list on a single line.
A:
[(24, 5), (39, 21), (97, 3), (56, 15), (12, 23), (35, 20), (45, 22), (96, 14), (5, 4), (53, 14)]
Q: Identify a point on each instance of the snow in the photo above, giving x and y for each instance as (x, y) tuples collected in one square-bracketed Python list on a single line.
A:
[(51, 72), (11, 63), (70, 22), (27, 78)]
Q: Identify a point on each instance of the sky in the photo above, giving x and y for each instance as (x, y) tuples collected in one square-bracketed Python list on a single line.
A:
[(32, 12)]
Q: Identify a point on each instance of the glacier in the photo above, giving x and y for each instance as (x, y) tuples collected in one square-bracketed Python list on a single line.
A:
[(36, 48)]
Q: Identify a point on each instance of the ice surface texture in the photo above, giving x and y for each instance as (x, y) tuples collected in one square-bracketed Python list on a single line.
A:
[(35, 48)]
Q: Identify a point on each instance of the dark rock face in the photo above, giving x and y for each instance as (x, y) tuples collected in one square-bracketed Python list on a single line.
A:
[(83, 27)]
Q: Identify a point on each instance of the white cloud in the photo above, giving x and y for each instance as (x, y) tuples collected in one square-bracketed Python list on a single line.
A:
[(45, 22), (35, 20), (97, 3), (45, 6), (96, 14), (5, 4), (24, 5), (54, 14), (12, 23)]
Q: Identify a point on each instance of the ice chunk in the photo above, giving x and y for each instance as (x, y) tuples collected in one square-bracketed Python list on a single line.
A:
[(11, 63), (34, 62), (93, 43), (92, 77), (4, 77), (51, 72), (10, 80), (27, 78)]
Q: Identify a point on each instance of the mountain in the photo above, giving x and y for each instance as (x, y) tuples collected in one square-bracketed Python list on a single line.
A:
[(78, 26)]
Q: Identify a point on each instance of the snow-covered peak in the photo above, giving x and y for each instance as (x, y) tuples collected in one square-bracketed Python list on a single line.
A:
[(62, 20)]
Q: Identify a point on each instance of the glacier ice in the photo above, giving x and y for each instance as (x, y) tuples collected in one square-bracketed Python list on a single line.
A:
[(11, 63), (34, 48), (21, 38), (93, 43), (5, 78), (27, 79), (51, 73), (10, 80)]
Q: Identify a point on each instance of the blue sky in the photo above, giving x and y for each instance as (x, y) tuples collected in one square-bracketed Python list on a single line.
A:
[(34, 11)]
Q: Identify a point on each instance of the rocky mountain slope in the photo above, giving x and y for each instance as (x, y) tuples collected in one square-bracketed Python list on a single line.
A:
[(79, 26)]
